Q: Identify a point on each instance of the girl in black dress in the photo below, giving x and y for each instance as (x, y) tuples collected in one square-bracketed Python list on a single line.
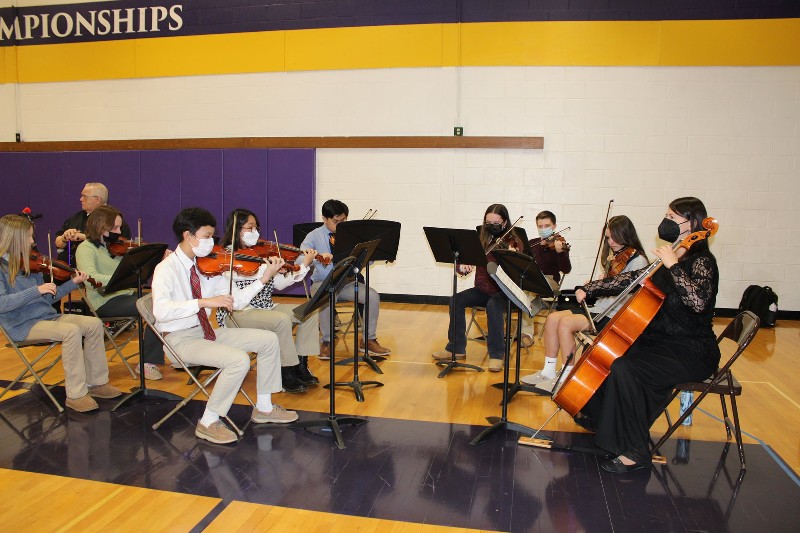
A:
[(678, 345)]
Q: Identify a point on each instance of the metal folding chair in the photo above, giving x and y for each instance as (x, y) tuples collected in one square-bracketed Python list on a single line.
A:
[(741, 331), (30, 364), (145, 308), (126, 322), (550, 303)]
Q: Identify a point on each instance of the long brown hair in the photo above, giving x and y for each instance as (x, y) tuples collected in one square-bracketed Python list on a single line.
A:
[(101, 220), (623, 232), (15, 242), (496, 209)]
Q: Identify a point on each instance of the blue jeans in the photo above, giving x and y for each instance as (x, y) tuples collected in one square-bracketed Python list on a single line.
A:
[(495, 310)]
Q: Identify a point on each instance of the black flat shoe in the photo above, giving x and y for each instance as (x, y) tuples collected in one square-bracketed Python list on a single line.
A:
[(585, 422), (616, 466)]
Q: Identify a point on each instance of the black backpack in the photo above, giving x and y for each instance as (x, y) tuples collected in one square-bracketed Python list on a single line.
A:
[(762, 301)]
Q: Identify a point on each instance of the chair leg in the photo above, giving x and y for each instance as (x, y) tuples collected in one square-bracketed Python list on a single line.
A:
[(738, 431), (725, 417), (30, 371)]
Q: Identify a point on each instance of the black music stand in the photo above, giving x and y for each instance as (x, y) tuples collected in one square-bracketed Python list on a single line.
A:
[(351, 233), (526, 274), (522, 263), (457, 246), (340, 273), (299, 232), (136, 266)]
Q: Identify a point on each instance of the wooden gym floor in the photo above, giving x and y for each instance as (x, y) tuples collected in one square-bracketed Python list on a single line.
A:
[(410, 468)]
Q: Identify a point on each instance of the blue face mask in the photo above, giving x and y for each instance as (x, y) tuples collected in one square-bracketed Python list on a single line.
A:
[(546, 232)]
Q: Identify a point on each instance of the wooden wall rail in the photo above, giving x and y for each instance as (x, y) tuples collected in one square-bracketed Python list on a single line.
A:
[(277, 142)]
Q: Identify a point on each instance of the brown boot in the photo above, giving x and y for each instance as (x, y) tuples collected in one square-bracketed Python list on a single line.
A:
[(104, 391), (325, 351), (83, 404), (374, 347)]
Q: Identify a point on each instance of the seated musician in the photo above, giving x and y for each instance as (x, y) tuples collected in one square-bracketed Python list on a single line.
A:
[(621, 252), (72, 232), (182, 300), (678, 344), (485, 293), (322, 239), (262, 312), (93, 257), (26, 312), (551, 254)]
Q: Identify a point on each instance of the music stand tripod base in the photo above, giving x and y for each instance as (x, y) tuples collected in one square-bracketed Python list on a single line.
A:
[(498, 423), (371, 360), (357, 387), (450, 365), (330, 426)]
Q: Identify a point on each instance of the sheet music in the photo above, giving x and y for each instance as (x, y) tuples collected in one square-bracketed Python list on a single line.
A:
[(509, 288)]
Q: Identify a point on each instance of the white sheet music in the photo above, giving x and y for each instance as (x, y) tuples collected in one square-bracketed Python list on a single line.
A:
[(509, 288)]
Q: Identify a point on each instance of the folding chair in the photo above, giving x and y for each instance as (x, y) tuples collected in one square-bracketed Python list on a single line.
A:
[(30, 365), (145, 307), (550, 303), (111, 337), (741, 331)]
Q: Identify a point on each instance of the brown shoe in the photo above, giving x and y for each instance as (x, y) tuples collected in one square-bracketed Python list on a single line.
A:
[(217, 432), (374, 347), (325, 351), (278, 415), (446, 356), (527, 341), (104, 391), (83, 404)]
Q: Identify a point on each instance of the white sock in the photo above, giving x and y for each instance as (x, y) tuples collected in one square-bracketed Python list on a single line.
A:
[(549, 369), (209, 417), (264, 402)]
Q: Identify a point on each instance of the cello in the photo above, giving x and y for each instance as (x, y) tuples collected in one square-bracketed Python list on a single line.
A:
[(620, 333)]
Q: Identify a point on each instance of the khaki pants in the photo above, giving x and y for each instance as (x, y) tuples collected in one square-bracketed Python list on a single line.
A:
[(83, 351), (281, 320), (230, 353)]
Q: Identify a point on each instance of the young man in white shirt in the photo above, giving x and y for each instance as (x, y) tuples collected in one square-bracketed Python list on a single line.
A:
[(182, 301)]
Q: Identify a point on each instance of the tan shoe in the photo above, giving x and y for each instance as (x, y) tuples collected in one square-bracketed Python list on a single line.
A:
[(278, 415), (446, 356), (495, 365), (104, 391), (527, 341), (83, 404), (325, 351), (217, 432), (374, 347)]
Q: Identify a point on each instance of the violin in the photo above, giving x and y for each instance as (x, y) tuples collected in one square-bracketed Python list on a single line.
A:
[(621, 332), (219, 261), (122, 245), (550, 242), (620, 261), (287, 252), (61, 271)]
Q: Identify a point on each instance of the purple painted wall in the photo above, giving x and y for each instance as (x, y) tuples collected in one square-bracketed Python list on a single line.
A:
[(277, 184)]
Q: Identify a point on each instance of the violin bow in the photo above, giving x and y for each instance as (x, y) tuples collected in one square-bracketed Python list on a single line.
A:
[(50, 252), (233, 249), (602, 238), (503, 236)]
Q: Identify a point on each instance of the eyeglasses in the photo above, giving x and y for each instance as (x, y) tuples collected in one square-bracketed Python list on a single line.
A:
[(87, 196)]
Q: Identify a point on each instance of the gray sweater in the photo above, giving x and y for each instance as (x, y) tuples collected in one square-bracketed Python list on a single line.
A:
[(21, 306)]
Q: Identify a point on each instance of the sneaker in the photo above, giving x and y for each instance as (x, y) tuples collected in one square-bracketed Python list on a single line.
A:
[(527, 341), (82, 405), (217, 432), (325, 351), (151, 372), (495, 365), (447, 356), (104, 391), (374, 347), (278, 415), (546, 387), (535, 378)]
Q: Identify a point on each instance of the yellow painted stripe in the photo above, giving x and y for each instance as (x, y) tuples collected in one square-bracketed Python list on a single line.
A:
[(614, 43)]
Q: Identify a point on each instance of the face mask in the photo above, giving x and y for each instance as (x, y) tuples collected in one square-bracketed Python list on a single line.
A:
[(203, 247), (250, 238), (546, 232), (494, 229), (669, 230), (112, 237)]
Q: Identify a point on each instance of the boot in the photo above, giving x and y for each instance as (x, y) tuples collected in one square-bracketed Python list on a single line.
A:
[(290, 382), (304, 374)]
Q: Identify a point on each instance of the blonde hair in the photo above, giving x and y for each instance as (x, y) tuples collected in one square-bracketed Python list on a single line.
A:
[(100, 190), (14, 235), (102, 219)]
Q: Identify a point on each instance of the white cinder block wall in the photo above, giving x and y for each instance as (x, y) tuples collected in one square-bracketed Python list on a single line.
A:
[(641, 136)]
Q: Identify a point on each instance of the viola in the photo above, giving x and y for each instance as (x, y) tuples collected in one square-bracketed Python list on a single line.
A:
[(550, 242), (288, 252), (61, 271), (219, 261), (620, 261), (620, 333)]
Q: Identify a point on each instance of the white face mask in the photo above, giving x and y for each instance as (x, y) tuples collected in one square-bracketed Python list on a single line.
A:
[(545, 232), (250, 238), (203, 248)]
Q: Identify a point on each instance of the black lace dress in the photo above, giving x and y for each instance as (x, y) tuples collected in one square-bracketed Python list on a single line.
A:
[(678, 345)]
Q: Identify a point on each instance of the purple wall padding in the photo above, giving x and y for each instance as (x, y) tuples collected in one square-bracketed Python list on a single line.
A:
[(277, 184)]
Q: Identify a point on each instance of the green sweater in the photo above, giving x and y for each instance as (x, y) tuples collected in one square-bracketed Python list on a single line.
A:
[(94, 259)]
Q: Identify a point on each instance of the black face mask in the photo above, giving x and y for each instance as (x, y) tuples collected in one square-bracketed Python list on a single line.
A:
[(112, 237), (494, 229), (669, 230)]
